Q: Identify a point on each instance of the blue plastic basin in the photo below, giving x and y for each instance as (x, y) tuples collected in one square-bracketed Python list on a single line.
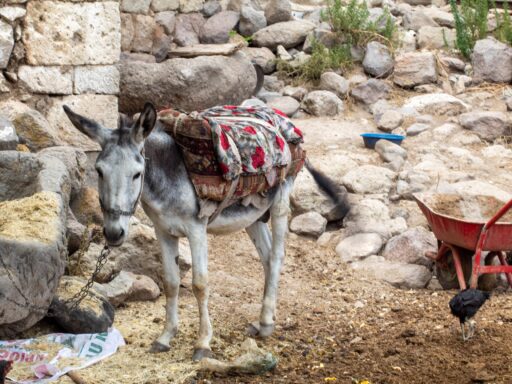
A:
[(370, 139)]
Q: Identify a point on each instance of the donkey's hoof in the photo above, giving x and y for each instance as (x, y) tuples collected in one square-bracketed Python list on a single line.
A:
[(157, 347), (201, 353), (260, 330)]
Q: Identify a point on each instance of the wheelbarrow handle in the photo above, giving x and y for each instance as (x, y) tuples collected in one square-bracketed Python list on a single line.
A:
[(498, 215), (482, 238)]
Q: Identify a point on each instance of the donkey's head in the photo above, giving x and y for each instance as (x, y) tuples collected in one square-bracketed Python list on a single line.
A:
[(120, 167)]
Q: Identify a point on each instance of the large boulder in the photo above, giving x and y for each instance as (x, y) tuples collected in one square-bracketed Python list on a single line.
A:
[(322, 103), (34, 193), (415, 68), (377, 60), (487, 125), (400, 275), (127, 286), (330, 81), (289, 34), (410, 247), (188, 84), (492, 61), (262, 57), (216, 29)]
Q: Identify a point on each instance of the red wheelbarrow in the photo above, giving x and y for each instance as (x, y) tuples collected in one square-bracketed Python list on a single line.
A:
[(462, 236)]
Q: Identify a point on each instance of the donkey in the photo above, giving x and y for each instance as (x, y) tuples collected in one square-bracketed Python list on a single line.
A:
[(139, 162)]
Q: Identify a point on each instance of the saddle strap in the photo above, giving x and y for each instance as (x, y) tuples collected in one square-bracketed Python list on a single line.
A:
[(224, 203)]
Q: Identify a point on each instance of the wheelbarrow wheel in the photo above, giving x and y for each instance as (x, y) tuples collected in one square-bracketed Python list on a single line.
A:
[(445, 269)]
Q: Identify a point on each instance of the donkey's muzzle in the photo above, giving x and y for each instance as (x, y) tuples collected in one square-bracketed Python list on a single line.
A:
[(114, 236)]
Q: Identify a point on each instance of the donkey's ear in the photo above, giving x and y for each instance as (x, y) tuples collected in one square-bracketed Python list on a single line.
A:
[(145, 123), (88, 127)]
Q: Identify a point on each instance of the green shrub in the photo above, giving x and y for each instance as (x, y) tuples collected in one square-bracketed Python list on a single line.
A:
[(503, 24), (322, 59), (470, 23), (352, 25)]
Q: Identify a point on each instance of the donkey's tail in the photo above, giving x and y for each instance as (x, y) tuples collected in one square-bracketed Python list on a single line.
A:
[(331, 189), (260, 77)]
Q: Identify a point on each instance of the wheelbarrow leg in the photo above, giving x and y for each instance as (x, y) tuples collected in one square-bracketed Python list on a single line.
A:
[(503, 261), (458, 267)]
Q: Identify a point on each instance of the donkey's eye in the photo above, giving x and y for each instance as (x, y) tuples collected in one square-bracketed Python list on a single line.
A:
[(137, 175), (100, 174)]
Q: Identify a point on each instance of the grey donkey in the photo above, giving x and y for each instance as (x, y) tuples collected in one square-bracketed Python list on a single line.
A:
[(139, 161)]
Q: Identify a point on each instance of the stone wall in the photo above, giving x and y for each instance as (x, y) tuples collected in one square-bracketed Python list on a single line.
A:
[(59, 52)]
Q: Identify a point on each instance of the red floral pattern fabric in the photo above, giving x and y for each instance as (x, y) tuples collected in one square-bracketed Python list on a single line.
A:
[(252, 143)]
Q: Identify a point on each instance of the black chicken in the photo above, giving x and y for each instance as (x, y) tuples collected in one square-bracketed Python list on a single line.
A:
[(465, 305), (5, 367)]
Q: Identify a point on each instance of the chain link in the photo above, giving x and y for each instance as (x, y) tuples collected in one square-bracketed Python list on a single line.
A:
[(73, 302)]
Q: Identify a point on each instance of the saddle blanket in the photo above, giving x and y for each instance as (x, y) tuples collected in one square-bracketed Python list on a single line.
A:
[(254, 147)]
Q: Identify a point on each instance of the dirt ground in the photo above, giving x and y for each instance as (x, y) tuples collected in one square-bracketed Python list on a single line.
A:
[(333, 324)]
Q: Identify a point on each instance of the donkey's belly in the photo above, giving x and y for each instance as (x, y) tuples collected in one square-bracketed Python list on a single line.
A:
[(236, 218)]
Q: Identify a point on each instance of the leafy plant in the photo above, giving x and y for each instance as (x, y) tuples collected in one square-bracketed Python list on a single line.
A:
[(351, 23), (470, 23), (503, 24), (322, 59)]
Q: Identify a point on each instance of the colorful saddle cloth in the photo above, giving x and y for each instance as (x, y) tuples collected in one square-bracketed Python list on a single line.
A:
[(255, 147)]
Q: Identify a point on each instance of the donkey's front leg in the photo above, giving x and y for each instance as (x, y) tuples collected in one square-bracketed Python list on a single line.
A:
[(170, 248), (199, 248)]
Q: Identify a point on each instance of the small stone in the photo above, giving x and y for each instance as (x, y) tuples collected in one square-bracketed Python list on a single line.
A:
[(144, 27), (12, 13), (216, 29), (369, 179), (417, 128), (437, 104), (492, 61), (75, 231), (187, 29), (413, 69), (211, 8), (135, 6), (165, 5), (8, 137), (436, 37), (322, 103), (283, 54), (297, 93), (188, 6), (263, 57), (286, 104), (6, 43), (389, 151), (35, 131), (93, 315), (309, 224), (487, 125), (454, 63), (330, 81), (289, 34), (251, 20), (378, 61), (277, 11), (389, 120), (359, 246), (371, 91), (417, 18), (410, 247), (167, 20), (127, 286)]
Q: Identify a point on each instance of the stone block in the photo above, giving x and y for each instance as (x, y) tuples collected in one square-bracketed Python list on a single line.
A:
[(47, 80), (102, 79), (101, 108), (62, 33)]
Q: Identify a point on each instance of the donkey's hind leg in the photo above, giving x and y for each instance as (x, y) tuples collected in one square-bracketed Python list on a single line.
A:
[(275, 249), (169, 246)]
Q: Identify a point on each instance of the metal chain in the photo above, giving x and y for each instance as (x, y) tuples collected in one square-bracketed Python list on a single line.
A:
[(73, 302)]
